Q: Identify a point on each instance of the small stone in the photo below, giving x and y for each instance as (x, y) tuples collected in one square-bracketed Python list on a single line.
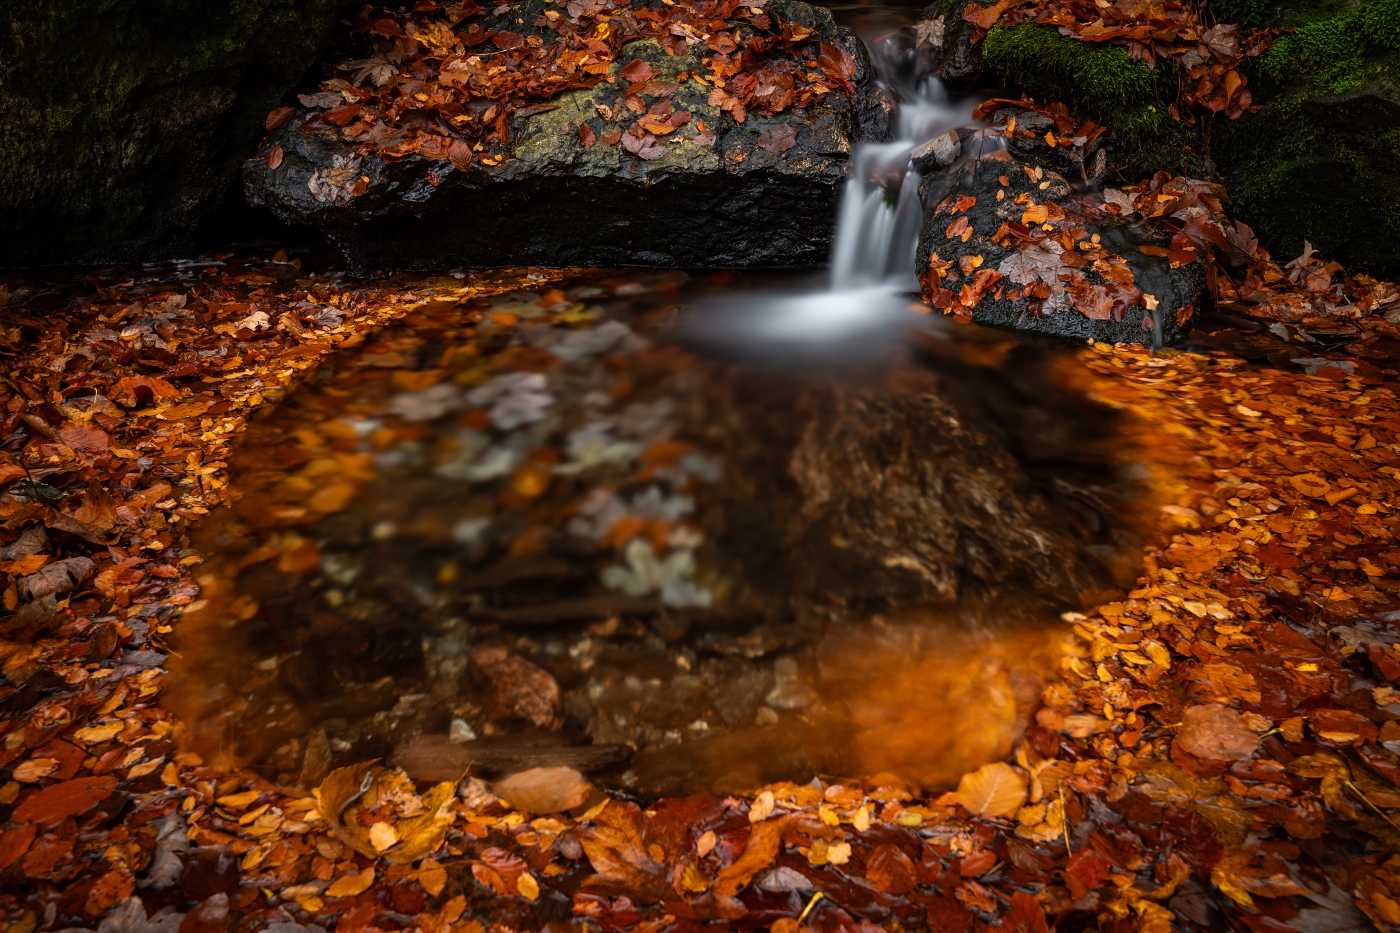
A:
[(937, 153)]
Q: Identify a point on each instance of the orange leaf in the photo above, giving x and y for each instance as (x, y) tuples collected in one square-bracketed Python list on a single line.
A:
[(60, 801)]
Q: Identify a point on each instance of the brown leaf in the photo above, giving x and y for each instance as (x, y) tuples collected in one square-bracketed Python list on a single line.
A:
[(59, 577), (586, 136), (1192, 558), (778, 138), (1216, 733), (142, 390), (765, 839), (277, 117), (85, 438), (617, 851), (60, 801), (890, 870), (544, 790), (274, 158), (637, 71), (460, 155)]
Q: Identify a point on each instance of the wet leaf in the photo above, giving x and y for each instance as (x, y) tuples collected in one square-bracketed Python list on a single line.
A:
[(67, 798)]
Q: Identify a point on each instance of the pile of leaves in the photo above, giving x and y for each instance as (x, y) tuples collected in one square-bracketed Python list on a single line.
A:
[(1209, 56), (445, 79), (118, 408)]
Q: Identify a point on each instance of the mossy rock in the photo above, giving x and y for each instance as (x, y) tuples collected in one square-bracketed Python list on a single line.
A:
[(1318, 162), (125, 119), (1100, 82)]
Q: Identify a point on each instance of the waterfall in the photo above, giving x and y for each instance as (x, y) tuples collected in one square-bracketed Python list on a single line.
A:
[(877, 228)]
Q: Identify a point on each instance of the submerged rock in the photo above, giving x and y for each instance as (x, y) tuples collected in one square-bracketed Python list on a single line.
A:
[(1010, 244), (712, 192)]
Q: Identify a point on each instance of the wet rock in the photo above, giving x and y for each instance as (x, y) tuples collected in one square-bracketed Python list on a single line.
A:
[(942, 41), (124, 127), (727, 197), (1012, 245), (1080, 158), (940, 152)]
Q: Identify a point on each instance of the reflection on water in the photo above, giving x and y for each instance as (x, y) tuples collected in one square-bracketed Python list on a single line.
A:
[(571, 527)]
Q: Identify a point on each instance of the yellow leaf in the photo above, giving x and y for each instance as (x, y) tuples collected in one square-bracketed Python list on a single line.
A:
[(238, 801), (35, 768), (104, 732), (355, 883), (383, 836), (996, 789), (1035, 214), (762, 807), (528, 887), (433, 877)]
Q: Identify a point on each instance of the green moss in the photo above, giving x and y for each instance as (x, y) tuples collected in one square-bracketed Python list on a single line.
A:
[(1102, 83), (123, 118), (1316, 162)]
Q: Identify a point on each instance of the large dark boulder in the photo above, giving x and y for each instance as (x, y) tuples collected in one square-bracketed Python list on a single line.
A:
[(737, 198), (124, 121)]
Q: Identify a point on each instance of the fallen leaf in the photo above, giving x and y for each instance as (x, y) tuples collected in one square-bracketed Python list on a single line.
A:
[(68, 798), (995, 789)]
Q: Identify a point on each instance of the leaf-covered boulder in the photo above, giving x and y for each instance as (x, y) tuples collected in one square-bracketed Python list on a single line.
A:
[(124, 122), (1011, 244), (658, 159)]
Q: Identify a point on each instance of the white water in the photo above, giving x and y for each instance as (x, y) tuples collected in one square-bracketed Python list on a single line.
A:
[(877, 228), (877, 231)]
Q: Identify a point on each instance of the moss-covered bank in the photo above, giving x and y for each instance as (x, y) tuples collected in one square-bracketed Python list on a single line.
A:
[(1318, 162), (1102, 83), (125, 120), (1321, 160)]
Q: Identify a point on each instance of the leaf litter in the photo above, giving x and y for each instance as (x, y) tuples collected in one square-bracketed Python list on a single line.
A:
[(1217, 747)]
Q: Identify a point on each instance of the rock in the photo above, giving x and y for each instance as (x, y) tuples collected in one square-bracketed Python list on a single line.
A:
[(740, 199), (124, 126), (943, 45), (1317, 162), (940, 152), (975, 265)]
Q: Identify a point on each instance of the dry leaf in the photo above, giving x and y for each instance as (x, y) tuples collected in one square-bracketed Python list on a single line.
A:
[(995, 789)]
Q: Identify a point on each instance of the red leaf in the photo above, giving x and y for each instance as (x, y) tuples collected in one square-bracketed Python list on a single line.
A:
[(586, 136), (1025, 916), (343, 114), (638, 71), (60, 801), (505, 41), (1087, 869), (15, 843), (279, 116)]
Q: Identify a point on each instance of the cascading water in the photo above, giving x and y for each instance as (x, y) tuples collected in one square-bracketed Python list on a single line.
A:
[(872, 266), (878, 225)]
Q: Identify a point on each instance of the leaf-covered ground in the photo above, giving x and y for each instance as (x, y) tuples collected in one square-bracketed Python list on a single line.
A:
[(1217, 750)]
